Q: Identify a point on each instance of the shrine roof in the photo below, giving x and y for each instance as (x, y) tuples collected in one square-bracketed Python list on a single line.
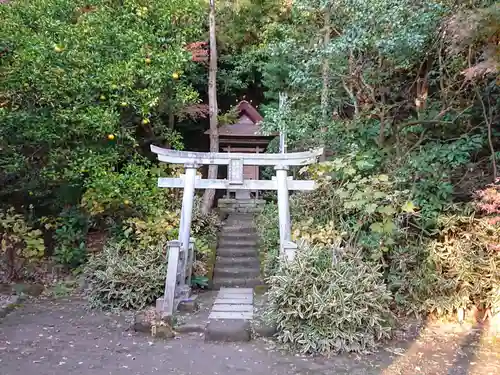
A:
[(248, 124)]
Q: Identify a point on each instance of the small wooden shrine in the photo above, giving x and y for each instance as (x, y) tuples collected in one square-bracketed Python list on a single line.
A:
[(244, 136)]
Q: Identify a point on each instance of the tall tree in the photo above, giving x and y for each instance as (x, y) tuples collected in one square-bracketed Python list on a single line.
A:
[(209, 195)]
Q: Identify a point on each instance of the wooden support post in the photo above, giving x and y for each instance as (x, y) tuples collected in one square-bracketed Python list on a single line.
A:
[(190, 260), (173, 252)]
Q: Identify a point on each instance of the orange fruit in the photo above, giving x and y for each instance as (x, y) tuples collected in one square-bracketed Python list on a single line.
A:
[(147, 60), (111, 137), (175, 75)]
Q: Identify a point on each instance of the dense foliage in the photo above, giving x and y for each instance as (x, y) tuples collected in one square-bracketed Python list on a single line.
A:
[(329, 300), (84, 85), (404, 95)]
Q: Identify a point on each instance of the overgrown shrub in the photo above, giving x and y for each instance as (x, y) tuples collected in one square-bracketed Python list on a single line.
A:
[(20, 245), (122, 276), (70, 232), (329, 301), (131, 191), (467, 261), (268, 230), (130, 272), (353, 203), (411, 277)]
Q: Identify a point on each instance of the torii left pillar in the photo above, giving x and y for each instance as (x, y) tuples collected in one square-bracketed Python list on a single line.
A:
[(181, 247)]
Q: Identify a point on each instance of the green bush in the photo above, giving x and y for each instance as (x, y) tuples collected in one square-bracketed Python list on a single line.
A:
[(131, 191), (326, 301), (466, 258), (130, 272), (268, 230), (122, 276), (21, 245), (412, 278), (70, 232), (354, 203)]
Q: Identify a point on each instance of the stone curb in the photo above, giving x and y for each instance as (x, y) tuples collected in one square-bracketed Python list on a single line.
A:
[(228, 330), (260, 329), (190, 328)]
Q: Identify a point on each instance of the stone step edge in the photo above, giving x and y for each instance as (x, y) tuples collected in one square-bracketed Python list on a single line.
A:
[(224, 261), (239, 234), (235, 252), (231, 282), (228, 330), (236, 273)]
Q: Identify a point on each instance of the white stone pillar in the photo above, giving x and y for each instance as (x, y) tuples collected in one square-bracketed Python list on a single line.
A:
[(187, 206), (283, 206)]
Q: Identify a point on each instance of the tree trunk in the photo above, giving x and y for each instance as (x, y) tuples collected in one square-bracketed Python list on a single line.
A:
[(209, 195)]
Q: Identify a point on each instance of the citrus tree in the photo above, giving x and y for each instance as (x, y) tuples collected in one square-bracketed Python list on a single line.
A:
[(85, 84)]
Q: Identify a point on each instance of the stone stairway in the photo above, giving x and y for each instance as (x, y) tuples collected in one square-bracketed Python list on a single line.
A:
[(237, 263), (236, 273)]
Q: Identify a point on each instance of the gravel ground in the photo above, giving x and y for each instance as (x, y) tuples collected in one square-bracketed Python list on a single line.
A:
[(47, 337)]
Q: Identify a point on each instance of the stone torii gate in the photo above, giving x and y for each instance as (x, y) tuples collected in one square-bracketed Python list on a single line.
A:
[(179, 252)]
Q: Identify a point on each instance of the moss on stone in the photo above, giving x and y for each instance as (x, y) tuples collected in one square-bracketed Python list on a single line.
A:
[(260, 289), (212, 256)]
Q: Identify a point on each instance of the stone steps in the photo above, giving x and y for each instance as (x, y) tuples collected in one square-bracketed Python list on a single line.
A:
[(221, 272), (238, 229), (250, 262), (237, 235), (239, 222), (236, 274), (232, 282), (235, 252), (231, 316), (238, 243), (237, 259)]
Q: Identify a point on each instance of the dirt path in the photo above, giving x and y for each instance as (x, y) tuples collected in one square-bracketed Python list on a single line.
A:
[(61, 338)]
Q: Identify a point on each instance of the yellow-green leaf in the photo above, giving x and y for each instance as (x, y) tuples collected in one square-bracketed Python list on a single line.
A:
[(389, 226), (387, 210), (377, 227), (408, 207)]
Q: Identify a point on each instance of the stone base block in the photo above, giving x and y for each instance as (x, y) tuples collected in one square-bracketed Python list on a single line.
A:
[(189, 305), (149, 322), (159, 308), (228, 330)]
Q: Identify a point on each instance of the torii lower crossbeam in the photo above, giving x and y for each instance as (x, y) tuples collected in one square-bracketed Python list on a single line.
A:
[(245, 185)]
